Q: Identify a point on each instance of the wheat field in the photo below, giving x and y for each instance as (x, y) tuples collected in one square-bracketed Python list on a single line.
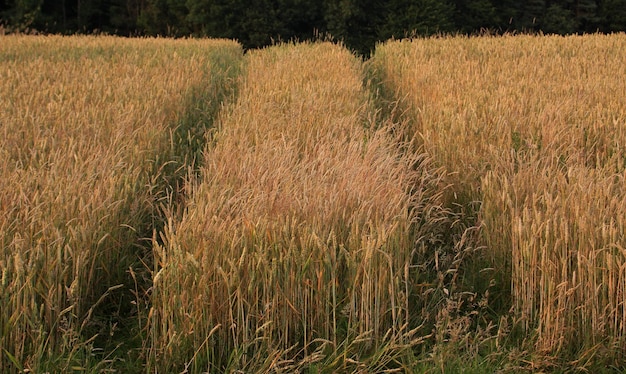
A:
[(533, 128), (87, 126), (451, 204)]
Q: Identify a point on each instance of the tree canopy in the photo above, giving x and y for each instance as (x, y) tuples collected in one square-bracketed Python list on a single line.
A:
[(358, 23)]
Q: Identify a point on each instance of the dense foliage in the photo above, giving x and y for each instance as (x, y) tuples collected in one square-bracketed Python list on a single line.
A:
[(359, 23)]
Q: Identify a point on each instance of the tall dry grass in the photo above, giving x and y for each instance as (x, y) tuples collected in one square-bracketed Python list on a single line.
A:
[(534, 128), (297, 246), (87, 126)]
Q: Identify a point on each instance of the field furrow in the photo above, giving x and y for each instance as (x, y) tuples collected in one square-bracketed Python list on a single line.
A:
[(91, 131)]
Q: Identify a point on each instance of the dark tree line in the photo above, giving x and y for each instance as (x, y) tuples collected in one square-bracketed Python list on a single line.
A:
[(358, 23)]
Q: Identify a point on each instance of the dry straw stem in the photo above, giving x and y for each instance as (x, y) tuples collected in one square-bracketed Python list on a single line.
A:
[(567, 243), (297, 241), (85, 126), (534, 127)]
